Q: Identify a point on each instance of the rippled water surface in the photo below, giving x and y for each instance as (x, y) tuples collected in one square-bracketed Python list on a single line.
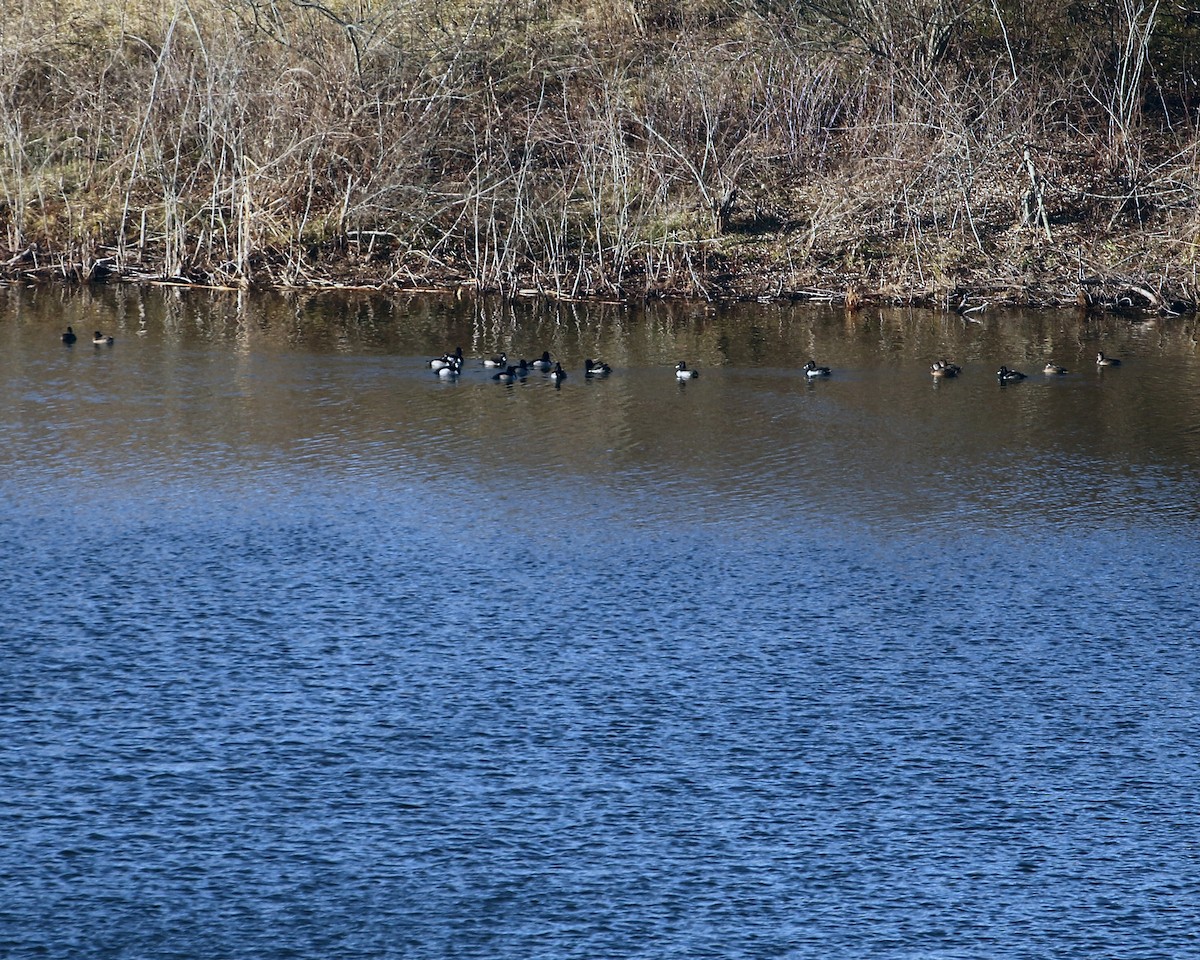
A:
[(309, 654)]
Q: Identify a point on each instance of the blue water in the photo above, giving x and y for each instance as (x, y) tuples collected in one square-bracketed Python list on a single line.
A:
[(325, 693)]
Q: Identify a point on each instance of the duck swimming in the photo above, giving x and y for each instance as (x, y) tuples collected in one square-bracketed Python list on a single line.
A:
[(1053, 369), (558, 374), (811, 370), (1103, 361), (101, 340), (1004, 375), (500, 360), (683, 373), (69, 336), (446, 359), (943, 368), (596, 368), (543, 362)]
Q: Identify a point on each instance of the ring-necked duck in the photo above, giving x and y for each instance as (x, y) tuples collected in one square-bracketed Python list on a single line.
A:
[(596, 368), (500, 360), (944, 368), (446, 359), (69, 336), (452, 369), (101, 340), (507, 375), (683, 373), (1004, 375), (811, 370), (1051, 368), (543, 362), (558, 374), (1103, 361)]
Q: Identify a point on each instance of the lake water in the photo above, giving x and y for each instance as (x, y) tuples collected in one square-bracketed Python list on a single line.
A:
[(306, 653)]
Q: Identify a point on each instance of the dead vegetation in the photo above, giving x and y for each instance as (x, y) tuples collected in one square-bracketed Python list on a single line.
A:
[(946, 152)]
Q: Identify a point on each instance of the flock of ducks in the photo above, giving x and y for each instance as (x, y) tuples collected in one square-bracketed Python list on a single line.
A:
[(449, 365), (98, 338), (1051, 369)]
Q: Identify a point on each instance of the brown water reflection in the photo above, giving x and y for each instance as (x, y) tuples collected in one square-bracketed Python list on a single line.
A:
[(212, 385)]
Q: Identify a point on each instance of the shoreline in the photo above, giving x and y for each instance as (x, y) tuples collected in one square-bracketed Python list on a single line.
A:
[(722, 279)]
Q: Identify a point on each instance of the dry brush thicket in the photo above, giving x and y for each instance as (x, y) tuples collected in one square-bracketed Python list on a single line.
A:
[(937, 151)]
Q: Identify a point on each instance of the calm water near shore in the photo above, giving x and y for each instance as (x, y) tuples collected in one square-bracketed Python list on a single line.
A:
[(310, 654)]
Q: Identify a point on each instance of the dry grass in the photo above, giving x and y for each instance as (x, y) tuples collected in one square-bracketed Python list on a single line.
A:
[(612, 149)]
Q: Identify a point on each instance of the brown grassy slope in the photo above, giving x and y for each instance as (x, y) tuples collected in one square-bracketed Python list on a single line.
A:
[(580, 149)]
